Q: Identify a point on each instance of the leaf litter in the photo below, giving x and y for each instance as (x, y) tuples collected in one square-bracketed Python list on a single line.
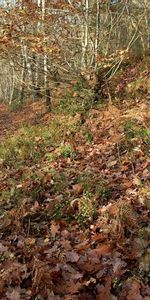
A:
[(105, 255)]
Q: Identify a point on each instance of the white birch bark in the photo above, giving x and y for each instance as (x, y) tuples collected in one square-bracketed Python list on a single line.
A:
[(45, 61), (85, 4), (37, 62), (22, 75), (28, 66), (13, 81), (97, 32)]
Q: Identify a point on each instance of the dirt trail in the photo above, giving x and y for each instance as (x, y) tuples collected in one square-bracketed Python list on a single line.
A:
[(12, 121)]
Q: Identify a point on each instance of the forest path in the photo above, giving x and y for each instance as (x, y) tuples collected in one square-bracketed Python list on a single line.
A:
[(31, 113), (11, 121)]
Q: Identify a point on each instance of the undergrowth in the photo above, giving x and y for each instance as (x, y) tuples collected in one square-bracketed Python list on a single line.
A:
[(32, 154), (78, 99), (32, 143), (136, 135), (35, 151)]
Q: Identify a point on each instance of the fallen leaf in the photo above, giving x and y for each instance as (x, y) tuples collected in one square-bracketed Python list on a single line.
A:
[(78, 189), (82, 246), (46, 240), (74, 287), (99, 237), (35, 207), (11, 273), (3, 248), (103, 291), (136, 181), (103, 249), (72, 256), (134, 291), (127, 183), (111, 163), (21, 242), (54, 229), (30, 241), (14, 294), (75, 94)]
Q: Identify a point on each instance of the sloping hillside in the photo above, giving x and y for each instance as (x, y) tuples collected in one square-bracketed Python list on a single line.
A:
[(75, 203)]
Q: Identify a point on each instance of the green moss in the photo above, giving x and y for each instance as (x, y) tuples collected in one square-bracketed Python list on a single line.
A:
[(66, 150), (134, 133)]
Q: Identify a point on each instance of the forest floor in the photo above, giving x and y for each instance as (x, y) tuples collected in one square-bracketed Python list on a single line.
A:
[(10, 121), (75, 203)]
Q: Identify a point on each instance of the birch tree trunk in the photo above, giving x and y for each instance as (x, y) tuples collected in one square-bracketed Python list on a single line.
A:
[(13, 82), (22, 75), (37, 89), (97, 32), (85, 4), (29, 71), (45, 64)]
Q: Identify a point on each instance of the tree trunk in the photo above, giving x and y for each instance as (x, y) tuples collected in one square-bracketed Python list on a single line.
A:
[(45, 65), (85, 4)]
